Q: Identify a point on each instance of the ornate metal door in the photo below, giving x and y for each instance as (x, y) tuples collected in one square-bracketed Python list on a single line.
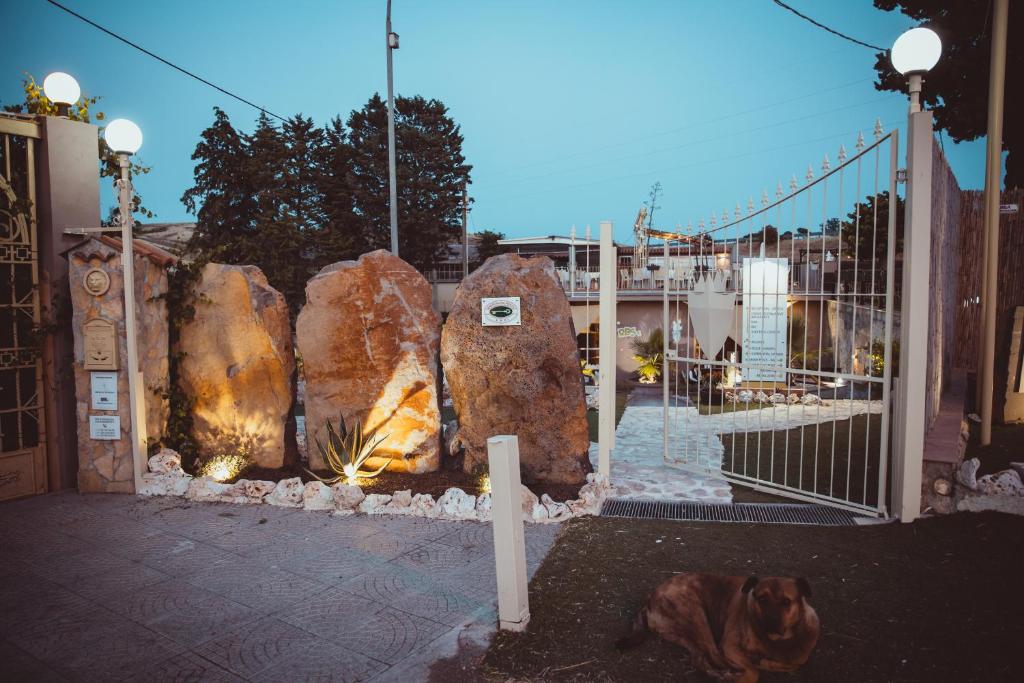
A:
[(22, 443)]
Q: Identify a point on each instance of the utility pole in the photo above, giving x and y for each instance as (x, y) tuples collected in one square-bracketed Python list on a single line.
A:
[(465, 231), (993, 166), (392, 44)]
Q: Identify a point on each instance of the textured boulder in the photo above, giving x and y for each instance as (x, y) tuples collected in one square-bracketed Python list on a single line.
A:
[(289, 493), (238, 366), (522, 379), (368, 336)]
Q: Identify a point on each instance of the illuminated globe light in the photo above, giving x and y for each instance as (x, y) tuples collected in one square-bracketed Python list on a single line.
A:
[(61, 88), (916, 51), (123, 136)]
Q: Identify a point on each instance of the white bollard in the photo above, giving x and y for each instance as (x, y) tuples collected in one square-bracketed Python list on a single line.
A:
[(509, 542)]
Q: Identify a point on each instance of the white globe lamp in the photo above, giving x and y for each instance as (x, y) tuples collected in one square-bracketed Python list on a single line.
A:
[(914, 54), (61, 89), (123, 136)]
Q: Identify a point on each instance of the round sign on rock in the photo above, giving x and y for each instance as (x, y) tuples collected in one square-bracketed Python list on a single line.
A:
[(96, 281)]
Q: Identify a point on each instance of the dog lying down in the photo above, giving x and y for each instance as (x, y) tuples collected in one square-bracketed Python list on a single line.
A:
[(733, 626)]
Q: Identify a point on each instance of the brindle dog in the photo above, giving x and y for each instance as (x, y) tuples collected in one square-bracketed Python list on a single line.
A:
[(733, 626)]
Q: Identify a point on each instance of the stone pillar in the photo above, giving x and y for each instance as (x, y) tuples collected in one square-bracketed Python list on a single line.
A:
[(67, 196), (100, 348)]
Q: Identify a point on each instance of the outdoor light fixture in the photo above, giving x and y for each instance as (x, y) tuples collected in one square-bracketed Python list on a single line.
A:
[(913, 54), (123, 136), (61, 89)]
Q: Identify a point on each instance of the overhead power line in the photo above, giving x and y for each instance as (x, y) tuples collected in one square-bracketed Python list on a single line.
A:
[(830, 30), (161, 59)]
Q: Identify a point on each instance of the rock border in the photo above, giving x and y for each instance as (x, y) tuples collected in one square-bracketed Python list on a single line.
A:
[(166, 478)]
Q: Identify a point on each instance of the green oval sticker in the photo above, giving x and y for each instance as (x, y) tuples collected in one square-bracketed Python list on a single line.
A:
[(501, 311)]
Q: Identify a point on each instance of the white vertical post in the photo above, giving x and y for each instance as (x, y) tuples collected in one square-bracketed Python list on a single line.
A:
[(665, 336), (907, 468), (509, 541), (136, 399), (607, 333)]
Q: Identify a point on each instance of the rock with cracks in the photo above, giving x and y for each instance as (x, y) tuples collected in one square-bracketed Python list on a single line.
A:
[(238, 367), (369, 336), (518, 379)]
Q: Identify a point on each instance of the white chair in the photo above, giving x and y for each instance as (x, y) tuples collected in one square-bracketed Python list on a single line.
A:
[(639, 278), (624, 278)]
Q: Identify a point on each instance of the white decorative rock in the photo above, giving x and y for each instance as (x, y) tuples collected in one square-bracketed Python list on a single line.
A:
[(423, 505), (457, 504), (169, 484), (539, 513), (165, 462), (745, 396), (347, 496), (556, 511), (254, 491), (317, 496), (967, 474), (792, 399), (811, 400), (761, 397), (375, 503), (777, 398), (529, 499), (1005, 483), (400, 502), (206, 489), (483, 507), (287, 494)]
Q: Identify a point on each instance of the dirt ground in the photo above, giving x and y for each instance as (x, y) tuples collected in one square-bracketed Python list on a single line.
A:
[(937, 600)]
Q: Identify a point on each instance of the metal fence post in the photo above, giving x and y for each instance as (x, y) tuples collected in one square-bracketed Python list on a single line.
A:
[(907, 467), (509, 541), (607, 324)]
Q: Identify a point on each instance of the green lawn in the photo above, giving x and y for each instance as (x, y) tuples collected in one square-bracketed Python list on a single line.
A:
[(764, 455)]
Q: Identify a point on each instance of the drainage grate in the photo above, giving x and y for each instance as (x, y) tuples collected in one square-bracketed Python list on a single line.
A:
[(787, 513)]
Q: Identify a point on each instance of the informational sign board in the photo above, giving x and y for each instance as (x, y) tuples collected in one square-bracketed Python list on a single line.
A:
[(1008, 208), (104, 390), (765, 290), (105, 427), (500, 311)]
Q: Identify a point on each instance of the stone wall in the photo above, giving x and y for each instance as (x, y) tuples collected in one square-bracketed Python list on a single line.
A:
[(106, 465)]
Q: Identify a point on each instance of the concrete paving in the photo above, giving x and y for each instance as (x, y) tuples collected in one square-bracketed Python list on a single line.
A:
[(109, 587)]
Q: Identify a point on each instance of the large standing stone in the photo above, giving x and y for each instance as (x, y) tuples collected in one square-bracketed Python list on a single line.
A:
[(238, 366), (522, 379), (106, 465), (368, 336)]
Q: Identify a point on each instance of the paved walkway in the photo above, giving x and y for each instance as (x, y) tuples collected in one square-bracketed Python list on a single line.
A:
[(107, 587)]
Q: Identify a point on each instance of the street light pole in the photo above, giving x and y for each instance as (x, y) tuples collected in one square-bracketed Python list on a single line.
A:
[(993, 166), (392, 44)]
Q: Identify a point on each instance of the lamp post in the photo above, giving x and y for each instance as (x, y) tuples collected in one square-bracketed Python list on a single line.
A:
[(392, 44), (913, 54), (61, 89), (125, 138)]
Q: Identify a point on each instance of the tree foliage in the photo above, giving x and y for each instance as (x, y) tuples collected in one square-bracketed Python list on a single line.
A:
[(487, 246), (865, 233), (956, 90), (296, 197)]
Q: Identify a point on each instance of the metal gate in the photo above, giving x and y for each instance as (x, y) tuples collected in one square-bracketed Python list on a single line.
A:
[(779, 327), (22, 445)]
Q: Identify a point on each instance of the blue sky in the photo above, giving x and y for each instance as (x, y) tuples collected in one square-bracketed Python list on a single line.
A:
[(570, 110)]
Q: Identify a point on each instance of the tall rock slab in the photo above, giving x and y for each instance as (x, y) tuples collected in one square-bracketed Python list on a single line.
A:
[(238, 366), (368, 336), (518, 379), (101, 351)]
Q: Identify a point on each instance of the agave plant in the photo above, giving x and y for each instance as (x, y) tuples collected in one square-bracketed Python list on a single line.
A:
[(347, 451)]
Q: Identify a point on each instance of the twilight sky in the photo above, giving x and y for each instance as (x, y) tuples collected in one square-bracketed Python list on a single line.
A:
[(570, 110)]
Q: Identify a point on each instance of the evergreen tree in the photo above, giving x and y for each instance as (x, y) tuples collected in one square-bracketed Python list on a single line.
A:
[(336, 238), (431, 173)]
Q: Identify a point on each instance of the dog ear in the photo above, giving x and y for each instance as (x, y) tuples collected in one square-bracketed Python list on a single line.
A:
[(804, 586), (749, 584)]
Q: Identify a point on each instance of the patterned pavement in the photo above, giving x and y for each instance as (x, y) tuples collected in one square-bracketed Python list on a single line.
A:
[(108, 587)]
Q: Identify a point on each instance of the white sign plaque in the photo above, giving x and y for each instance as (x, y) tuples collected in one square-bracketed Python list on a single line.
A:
[(105, 427), (765, 290), (104, 390), (500, 311)]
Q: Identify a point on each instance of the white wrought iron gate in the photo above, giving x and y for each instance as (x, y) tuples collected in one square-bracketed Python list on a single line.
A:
[(779, 334)]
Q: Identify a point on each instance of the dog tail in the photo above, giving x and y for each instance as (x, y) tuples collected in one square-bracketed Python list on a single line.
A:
[(639, 633)]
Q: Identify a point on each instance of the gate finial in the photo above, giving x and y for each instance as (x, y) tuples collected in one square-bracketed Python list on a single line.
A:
[(878, 129), (860, 142), (778, 190), (764, 197), (825, 165), (810, 174), (793, 184), (842, 153)]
